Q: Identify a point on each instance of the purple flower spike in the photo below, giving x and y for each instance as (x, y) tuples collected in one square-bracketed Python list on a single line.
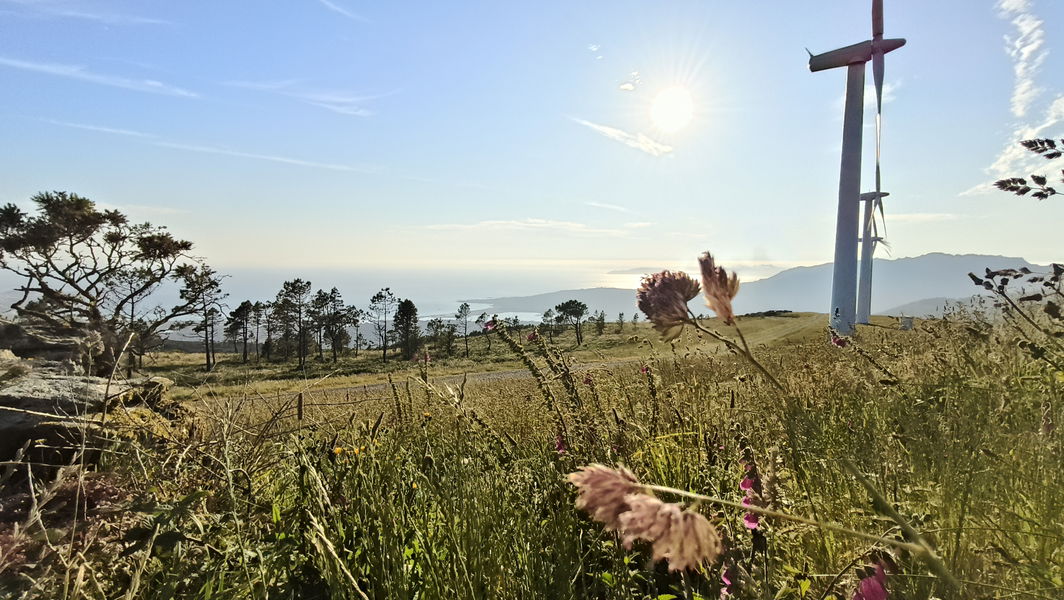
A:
[(751, 520)]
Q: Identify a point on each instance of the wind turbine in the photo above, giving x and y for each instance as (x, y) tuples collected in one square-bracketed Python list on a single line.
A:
[(844, 279), (869, 240)]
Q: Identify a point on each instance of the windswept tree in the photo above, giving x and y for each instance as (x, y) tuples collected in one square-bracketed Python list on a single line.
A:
[(483, 322), (269, 327), (336, 317), (547, 324), (599, 320), (620, 322), (88, 266), (442, 335), (259, 317), (355, 318), (573, 312), (239, 325), (292, 311), (203, 290), (317, 315), (407, 330), (462, 317), (380, 309)]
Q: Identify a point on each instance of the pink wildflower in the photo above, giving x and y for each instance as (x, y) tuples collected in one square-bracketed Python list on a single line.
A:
[(559, 445), (873, 585)]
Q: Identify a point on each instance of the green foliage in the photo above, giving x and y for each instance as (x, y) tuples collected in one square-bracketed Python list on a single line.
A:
[(86, 269), (572, 312), (407, 329)]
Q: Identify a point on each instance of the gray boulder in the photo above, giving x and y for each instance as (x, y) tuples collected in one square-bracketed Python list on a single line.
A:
[(58, 409)]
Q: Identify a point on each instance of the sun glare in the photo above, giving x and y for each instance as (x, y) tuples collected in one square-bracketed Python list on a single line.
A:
[(672, 109)]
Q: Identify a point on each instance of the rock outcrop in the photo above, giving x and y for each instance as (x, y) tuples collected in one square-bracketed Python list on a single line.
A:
[(70, 346), (52, 413), (51, 409)]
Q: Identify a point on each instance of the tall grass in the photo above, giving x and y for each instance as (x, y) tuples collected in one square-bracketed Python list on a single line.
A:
[(435, 491)]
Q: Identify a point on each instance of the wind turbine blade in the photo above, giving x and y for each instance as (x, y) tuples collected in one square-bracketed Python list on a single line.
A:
[(877, 74), (877, 18), (882, 216)]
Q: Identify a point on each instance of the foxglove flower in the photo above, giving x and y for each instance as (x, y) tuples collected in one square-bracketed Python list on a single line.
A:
[(873, 586)]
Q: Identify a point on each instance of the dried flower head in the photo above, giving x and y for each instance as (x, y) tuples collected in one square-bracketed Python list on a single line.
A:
[(685, 538), (603, 492), (663, 297), (718, 287)]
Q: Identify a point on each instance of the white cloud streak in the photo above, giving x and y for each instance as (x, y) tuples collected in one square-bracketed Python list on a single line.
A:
[(613, 207), (205, 149), (639, 141), (100, 129), (267, 157), (537, 225), (344, 103), (39, 8), (79, 73), (1027, 51), (336, 8)]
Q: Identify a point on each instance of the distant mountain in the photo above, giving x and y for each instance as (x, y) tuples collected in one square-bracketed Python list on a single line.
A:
[(925, 280), (928, 308)]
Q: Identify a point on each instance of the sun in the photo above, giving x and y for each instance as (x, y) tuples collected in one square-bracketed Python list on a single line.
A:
[(672, 109)]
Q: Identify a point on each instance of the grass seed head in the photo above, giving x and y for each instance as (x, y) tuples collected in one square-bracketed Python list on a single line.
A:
[(603, 492), (718, 287), (683, 537), (663, 297)]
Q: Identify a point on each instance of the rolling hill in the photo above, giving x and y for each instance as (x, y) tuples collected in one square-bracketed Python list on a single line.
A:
[(930, 280)]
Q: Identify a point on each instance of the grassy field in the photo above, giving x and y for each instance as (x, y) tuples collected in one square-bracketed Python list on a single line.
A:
[(430, 487), (232, 377)]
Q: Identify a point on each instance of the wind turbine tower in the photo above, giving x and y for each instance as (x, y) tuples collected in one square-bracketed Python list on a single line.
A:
[(843, 313)]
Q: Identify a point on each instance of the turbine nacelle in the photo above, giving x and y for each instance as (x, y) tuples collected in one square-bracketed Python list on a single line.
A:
[(865, 197), (851, 55)]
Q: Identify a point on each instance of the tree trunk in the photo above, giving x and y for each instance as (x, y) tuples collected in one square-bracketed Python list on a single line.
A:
[(206, 340)]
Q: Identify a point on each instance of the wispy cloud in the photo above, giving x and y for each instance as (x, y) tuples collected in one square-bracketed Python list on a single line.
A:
[(639, 141), (100, 129), (43, 8), (539, 225), (267, 157), (613, 207), (208, 149), (79, 73), (344, 103), (1027, 50), (336, 8), (639, 225)]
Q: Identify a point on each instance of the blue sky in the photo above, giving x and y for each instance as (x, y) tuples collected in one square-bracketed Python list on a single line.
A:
[(494, 137)]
